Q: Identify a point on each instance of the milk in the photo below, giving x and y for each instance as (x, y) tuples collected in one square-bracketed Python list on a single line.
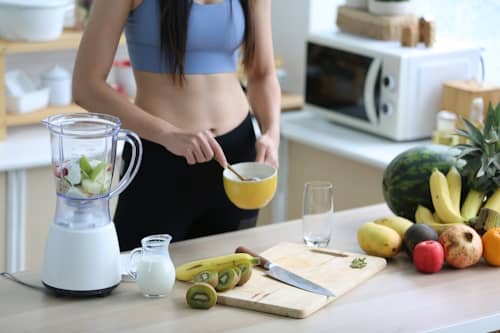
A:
[(155, 275)]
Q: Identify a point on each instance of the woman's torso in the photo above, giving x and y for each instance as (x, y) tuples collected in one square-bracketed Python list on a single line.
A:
[(211, 96)]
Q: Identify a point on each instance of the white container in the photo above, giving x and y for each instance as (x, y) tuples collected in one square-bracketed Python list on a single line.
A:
[(33, 20), (22, 94), (58, 80), (124, 77), (391, 7), (357, 3)]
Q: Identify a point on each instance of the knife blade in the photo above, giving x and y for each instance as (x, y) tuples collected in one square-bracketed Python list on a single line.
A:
[(283, 275)]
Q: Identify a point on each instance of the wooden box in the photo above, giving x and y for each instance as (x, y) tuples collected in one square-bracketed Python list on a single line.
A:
[(363, 23), (457, 96)]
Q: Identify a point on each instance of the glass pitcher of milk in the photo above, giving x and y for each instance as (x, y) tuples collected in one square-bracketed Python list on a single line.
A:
[(151, 266)]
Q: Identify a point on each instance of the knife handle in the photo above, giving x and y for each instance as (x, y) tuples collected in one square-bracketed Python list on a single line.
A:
[(263, 262)]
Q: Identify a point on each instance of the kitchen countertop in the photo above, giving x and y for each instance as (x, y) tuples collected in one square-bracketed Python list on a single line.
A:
[(398, 299), (29, 146), (309, 129), (25, 147)]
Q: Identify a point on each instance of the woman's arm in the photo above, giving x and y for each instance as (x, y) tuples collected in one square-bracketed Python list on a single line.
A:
[(90, 90), (93, 62), (263, 89)]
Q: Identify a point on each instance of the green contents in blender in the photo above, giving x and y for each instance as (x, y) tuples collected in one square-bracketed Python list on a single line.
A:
[(83, 178)]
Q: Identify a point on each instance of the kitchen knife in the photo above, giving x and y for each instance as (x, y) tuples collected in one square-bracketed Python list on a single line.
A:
[(285, 276)]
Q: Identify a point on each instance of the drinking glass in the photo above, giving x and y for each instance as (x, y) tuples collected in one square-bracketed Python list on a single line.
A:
[(151, 266), (317, 217)]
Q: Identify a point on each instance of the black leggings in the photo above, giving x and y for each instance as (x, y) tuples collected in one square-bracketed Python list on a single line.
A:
[(189, 200)]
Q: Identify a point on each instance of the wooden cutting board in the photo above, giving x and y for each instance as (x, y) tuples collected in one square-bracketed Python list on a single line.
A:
[(262, 293)]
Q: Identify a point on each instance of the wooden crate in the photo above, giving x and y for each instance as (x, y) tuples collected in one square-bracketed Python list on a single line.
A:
[(363, 23), (457, 96)]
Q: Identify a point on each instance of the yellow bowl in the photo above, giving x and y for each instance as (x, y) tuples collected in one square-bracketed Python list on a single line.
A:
[(253, 194)]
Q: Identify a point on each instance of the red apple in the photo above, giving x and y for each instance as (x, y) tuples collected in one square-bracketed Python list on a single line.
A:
[(462, 245), (428, 256)]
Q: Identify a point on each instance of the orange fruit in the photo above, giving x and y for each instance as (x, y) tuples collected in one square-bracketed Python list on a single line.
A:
[(491, 246)]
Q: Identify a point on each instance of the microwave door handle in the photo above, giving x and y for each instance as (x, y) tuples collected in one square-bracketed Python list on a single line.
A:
[(369, 93)]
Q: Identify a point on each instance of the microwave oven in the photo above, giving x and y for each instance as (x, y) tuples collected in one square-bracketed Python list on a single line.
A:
[(382, 87)]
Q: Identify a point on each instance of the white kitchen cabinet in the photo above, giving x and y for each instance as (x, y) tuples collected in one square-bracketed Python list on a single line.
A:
[(40, 208), (317, 149), (354, 184)]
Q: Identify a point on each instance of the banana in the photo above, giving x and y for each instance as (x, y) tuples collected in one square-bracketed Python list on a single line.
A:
[(493, 201), (188, 271), (424, 215), (472, 204), (436, 218), (454, 186), (438, 227), (441, 198), (397, 223)]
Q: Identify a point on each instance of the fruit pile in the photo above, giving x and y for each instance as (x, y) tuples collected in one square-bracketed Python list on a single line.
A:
[(453, 195), (211, 275), (83, 178)]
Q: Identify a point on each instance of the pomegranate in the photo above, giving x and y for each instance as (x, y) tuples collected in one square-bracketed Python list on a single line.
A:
[(462, 245)]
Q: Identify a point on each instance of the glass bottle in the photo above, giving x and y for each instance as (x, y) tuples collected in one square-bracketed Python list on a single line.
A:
[(445, 133)]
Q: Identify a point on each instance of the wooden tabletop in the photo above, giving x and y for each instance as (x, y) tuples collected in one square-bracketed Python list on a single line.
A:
[(398, 299)]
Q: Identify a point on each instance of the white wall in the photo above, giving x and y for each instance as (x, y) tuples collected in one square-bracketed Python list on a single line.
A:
[(290, 20)]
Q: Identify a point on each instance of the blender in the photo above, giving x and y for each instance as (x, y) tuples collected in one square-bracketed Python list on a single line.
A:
[(82, 255)]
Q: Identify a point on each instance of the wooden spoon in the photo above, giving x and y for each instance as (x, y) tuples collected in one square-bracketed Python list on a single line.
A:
[(244, 179)]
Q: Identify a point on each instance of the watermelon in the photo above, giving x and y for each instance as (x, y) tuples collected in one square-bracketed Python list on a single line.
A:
[(406, 178)]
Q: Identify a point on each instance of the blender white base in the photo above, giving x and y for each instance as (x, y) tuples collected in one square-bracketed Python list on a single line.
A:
[(82, 262)]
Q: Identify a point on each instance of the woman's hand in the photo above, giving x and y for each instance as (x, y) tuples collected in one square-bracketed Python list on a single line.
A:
[(197, 147), (267, 149)]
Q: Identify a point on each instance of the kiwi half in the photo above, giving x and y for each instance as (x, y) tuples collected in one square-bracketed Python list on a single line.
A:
[(228, 278), (246, 273), (209, 277), (201, 295)]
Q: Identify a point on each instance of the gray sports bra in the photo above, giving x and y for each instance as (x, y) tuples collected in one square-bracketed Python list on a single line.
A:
[(214, 36)]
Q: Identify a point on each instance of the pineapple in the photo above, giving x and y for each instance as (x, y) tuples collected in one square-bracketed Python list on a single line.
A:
[(481, 160)]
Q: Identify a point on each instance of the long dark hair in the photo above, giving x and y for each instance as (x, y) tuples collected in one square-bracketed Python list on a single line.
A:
[(174, 25)]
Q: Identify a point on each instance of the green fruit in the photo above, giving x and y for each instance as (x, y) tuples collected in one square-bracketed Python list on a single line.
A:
[(91, 187), (209, 277), (379, 240), (97, 170), (201, 295), (228, 278), (406, 178), (418, 233), (85, 165), (246, 273)]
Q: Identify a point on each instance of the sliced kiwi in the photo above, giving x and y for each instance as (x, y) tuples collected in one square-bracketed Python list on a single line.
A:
[(238, 273), (228, 278), (201, 295), (246, 273), (209, 277)]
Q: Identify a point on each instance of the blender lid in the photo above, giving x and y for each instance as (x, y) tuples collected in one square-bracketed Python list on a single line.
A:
[(83, 124)]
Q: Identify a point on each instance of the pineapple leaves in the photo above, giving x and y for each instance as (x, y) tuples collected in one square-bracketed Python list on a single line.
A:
[(491, 121), (474, 134), (481, 155)]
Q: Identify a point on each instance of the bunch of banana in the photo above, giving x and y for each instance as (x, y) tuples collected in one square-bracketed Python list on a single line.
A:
[(445, 192), (188, 271), (424, 215)]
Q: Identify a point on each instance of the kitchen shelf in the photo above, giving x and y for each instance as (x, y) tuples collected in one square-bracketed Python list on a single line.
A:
[(37, 116), (69, 40)]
